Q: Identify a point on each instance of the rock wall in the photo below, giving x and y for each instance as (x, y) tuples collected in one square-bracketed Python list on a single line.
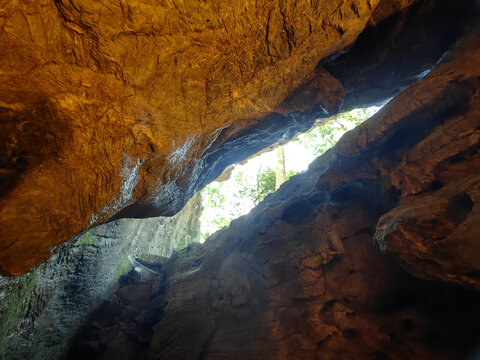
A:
[(119, 109), (113, 109), (113, 104), (40, 310), (299, 276)]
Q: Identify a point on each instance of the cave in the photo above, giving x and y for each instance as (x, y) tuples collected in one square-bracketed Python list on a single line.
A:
[(114, 114)]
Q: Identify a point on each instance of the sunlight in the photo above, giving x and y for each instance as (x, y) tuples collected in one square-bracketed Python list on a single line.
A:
[(249, 182)]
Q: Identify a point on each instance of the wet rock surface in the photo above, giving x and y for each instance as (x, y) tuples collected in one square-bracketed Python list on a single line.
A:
[(301, 276)]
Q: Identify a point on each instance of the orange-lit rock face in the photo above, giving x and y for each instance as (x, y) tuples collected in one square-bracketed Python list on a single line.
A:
[(298, 277), (123, 109), (104, 104)]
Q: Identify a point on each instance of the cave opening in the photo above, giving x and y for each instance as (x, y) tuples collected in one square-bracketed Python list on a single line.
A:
[(244, 185)]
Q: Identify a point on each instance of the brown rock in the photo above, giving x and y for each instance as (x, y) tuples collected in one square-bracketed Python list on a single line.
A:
[(298, 277), (124, 109), (433, 230), (106, 105), (93, 93)]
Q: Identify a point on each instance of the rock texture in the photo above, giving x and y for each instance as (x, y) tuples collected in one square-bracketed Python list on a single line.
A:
[(119, 109), (396, 48), (110, 104), (124, 108), (41, 310), (434, 229), (299, 277)]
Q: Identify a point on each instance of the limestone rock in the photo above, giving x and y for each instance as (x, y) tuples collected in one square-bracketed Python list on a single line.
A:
[(299, 277), (120, 109), (113, 104)]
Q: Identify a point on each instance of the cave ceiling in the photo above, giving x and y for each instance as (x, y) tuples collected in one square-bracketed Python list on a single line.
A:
[(125, 108)]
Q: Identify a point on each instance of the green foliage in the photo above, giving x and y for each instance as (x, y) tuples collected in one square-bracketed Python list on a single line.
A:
[(85, 239), (321, 138), (225, 201), (122, 269), (16, 304), (291, 173), (206, 235), (216, 198), (265, 184)]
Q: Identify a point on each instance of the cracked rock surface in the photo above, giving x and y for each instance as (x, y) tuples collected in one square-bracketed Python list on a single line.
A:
[(299, 277), (113, 104), (118, 109)]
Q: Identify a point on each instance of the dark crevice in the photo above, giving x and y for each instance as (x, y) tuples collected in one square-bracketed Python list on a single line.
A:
[(393, 54), (459, 207), (409, 131), (365, 192)]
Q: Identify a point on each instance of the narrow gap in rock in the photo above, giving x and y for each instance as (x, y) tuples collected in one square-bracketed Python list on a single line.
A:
[(244, 185)]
